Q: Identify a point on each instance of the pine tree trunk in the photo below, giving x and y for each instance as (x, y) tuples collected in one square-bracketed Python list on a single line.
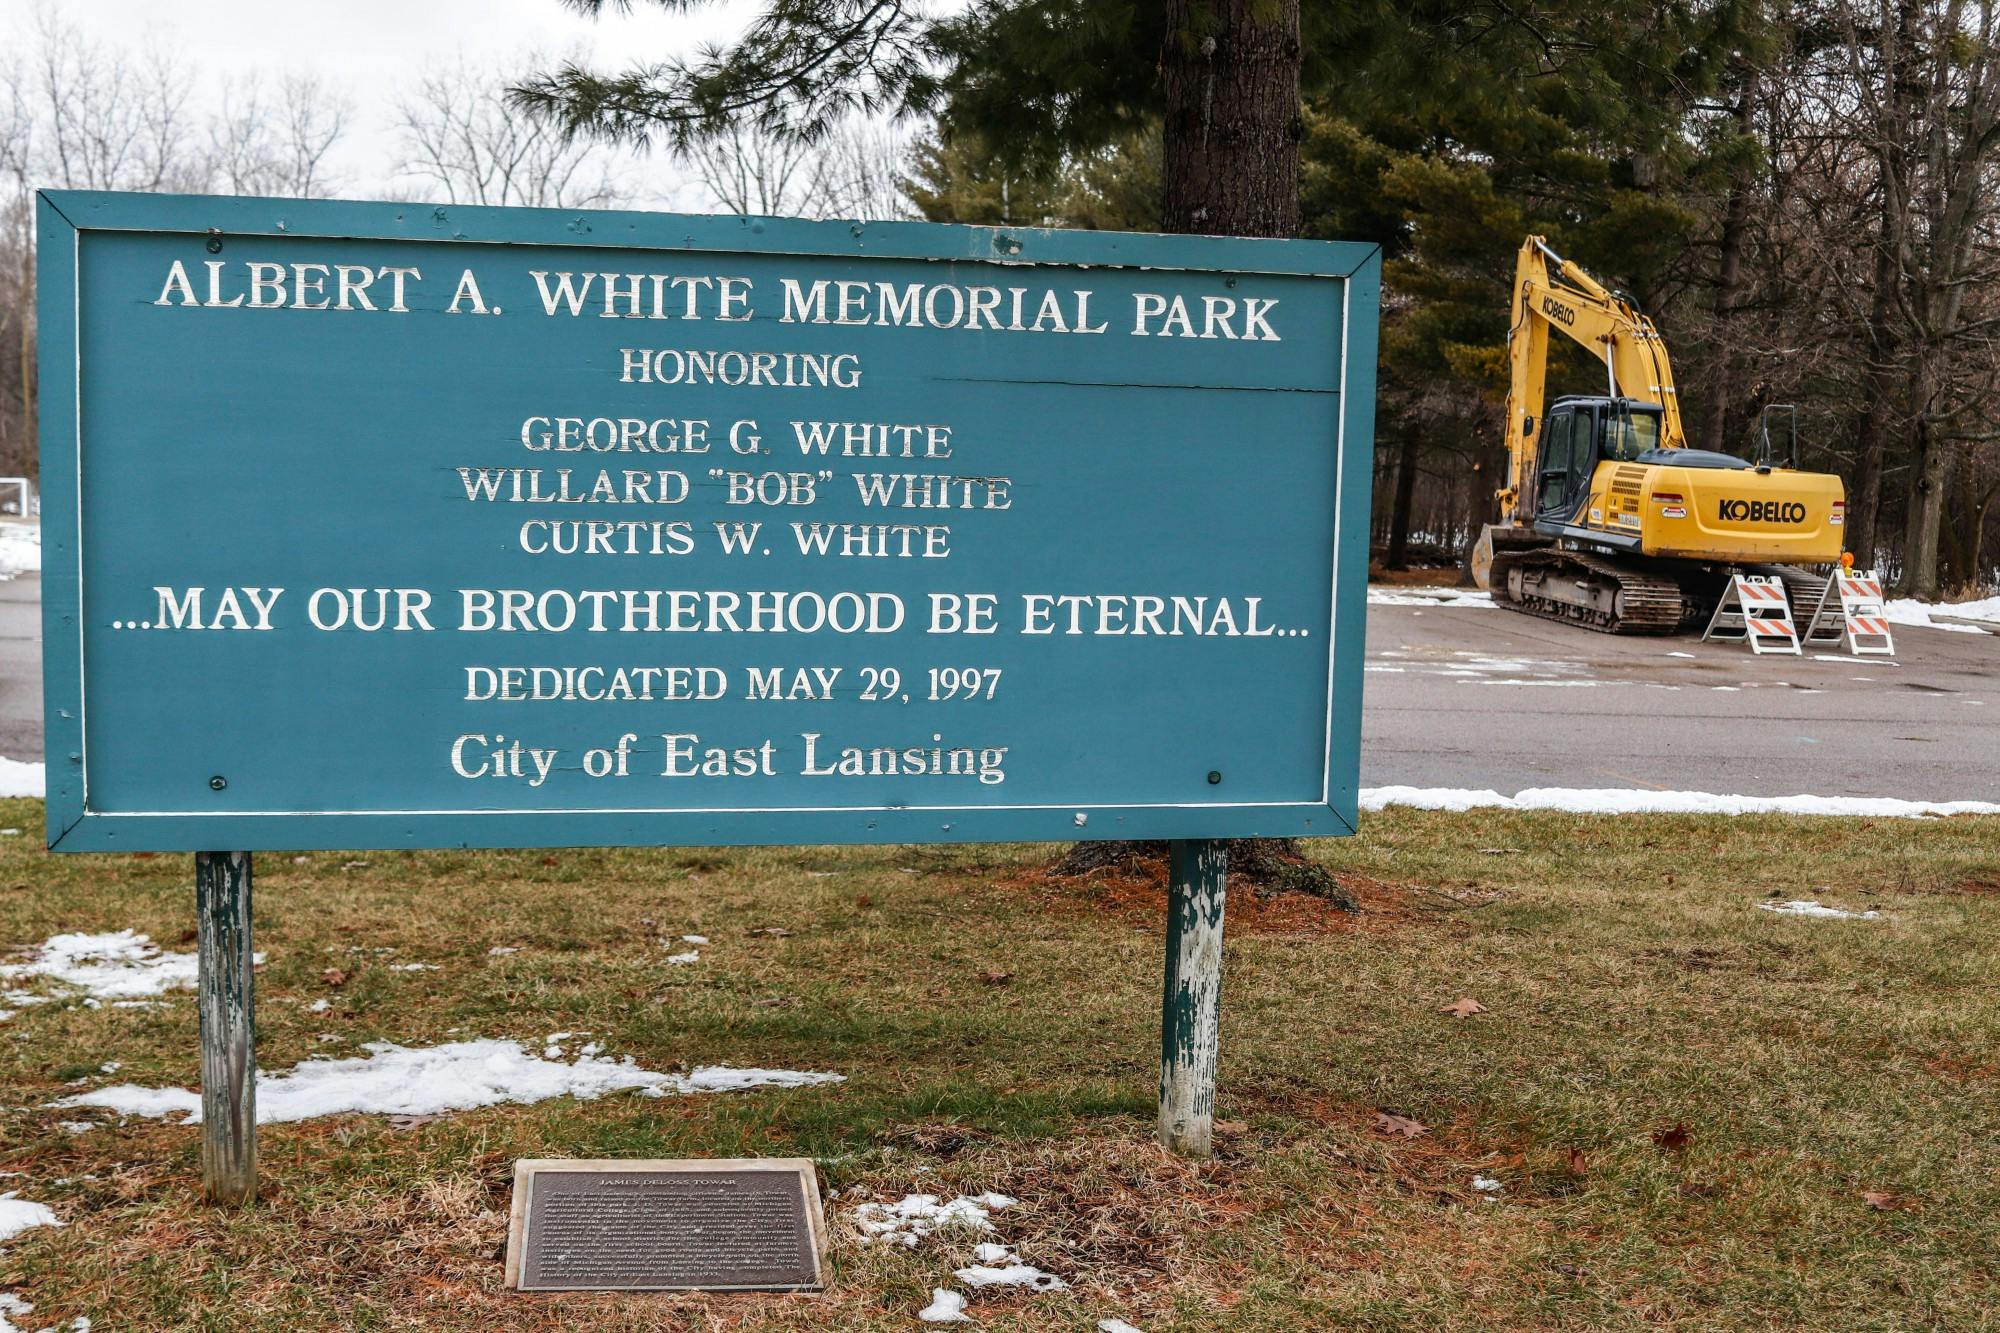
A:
[(1398, 556), (1929, 476), (1230, 167), (1899, 100), (1729, 280), (1231, 137)]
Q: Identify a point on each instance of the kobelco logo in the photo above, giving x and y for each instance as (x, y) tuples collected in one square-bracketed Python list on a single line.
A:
[(1761, 511), (1557, 311)]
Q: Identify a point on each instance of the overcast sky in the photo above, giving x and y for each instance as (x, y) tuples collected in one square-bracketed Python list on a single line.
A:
[(371, 48)]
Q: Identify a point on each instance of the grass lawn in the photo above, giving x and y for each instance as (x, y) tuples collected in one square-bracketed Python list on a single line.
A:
[(1684, 1099)]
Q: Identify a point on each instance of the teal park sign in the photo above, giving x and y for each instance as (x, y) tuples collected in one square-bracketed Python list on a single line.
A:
[(386, 525)]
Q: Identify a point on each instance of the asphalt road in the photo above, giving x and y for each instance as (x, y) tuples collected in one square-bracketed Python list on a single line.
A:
[(1478, 697), (1485, 698), (21, 667)]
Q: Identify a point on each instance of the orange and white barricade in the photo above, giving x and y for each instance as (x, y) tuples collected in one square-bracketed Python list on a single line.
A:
[(1862, 610), (1756, 610)]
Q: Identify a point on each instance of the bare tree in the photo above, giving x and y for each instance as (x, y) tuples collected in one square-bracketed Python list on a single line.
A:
[(461, 141), (851, 173), (265, 143)]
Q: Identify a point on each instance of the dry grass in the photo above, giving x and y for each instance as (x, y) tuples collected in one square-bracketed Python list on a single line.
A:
[(999, 1031)]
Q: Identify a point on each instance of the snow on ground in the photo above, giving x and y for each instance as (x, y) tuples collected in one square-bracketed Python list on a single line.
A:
[(20, 549), (1382, 594), (1909, 611), (915, 1216), (10, 1304), (1807, 907), (20, 778), (946, 1307), (430, 1080), (18, 1215), (1620, 801), (1015, 1274), (116, 965)]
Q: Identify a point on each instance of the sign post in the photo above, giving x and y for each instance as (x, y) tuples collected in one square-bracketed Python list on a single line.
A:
[(1191, 1006), (227, 990), (494, 527)]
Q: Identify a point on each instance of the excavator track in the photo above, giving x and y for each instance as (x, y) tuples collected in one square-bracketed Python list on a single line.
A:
[(1803, 588), (1590, 591)]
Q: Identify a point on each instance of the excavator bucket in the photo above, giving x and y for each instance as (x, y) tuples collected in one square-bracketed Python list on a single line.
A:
[(1498, 539)]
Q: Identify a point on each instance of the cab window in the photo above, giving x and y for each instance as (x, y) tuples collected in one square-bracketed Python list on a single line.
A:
[(1629, 434)]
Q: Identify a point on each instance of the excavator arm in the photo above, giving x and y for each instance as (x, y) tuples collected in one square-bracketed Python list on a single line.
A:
[(1551, 292)]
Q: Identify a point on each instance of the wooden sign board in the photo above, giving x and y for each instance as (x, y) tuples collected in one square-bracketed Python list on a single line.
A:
[(734, 1225), (387, 525)]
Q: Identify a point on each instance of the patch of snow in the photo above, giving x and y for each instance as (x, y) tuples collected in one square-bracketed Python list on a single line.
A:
[(915, 1216), (987, 1252), (454, 1076), (1807, 907), (946, 1307), (21, 778), (1909, 611), (117, 965), (1013, 1275), (20, 549), (683, 959), (76, 1126), (18, 1215), (1114, 1326), (413, 967), (694, 939), (502, 950), (1678, 653), (1486, 1184), (1621, 801), (319, 1006), (1389, 595)]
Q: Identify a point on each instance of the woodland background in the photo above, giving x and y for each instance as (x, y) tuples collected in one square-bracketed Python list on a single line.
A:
[(1803, 195)]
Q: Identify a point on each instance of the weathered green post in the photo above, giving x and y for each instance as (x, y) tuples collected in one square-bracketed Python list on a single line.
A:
[(1191, 1004), (228, 1028)]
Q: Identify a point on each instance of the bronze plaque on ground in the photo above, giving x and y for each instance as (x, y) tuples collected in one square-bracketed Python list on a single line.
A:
[(749, 1224)]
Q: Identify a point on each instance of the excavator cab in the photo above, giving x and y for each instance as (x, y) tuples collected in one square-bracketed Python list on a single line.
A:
[(1578, 434)]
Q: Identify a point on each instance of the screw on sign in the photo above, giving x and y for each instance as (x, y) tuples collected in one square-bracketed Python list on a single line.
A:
[(900, 617)]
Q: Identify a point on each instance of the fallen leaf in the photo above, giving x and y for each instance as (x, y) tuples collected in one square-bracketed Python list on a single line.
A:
[(1464, 1008), (409, 1122), (1388, 1123), (1674, 1138), (1577, 1164), (993, 976), (548, 860), (333, 976), (1883, 1201), (1230, 1127), (865, 900)]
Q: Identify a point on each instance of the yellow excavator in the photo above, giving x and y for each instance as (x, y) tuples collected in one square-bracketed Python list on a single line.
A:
[(1608, 519)]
